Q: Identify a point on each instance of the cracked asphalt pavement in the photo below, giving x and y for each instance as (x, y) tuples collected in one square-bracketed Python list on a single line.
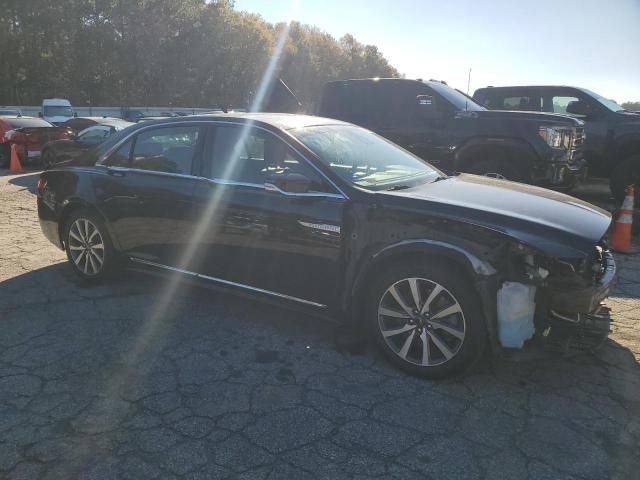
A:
[(118, 381)]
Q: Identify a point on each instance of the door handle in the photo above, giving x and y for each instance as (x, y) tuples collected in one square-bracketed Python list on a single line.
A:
[(116, 171)]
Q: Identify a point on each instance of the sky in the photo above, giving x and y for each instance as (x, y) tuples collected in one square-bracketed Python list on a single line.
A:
[(593, 44)]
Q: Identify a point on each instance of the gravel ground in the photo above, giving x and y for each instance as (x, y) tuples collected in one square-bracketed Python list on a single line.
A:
[(119, 381)]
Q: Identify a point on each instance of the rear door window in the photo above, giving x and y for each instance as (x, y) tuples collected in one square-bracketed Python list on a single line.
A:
[(166, 149), (560, 102), (522, 102)]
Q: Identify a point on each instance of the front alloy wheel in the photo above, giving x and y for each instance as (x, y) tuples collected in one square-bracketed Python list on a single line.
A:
[(427, 319), (421, 321)]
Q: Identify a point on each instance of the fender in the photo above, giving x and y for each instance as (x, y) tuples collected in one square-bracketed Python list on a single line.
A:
[(525, 150), (73, 203), (486, 282), (461, 256)]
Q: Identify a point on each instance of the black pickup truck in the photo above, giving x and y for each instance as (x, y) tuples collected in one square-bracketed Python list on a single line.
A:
[(450, 130), (612, 143)]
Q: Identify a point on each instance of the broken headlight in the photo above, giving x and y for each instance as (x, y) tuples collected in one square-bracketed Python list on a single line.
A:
[(529, 264), (557, 137)]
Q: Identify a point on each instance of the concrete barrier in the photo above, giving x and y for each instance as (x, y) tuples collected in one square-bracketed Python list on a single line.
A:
[(30, 110)]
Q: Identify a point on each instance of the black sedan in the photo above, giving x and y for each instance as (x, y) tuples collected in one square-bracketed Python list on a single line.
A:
[(329, 216), (59, 151)]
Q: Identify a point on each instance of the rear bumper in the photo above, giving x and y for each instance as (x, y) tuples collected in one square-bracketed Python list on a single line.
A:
[(585, 300), (49, 224)]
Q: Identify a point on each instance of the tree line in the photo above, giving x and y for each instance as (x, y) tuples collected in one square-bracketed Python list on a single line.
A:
[(165, 52), (631, 106)]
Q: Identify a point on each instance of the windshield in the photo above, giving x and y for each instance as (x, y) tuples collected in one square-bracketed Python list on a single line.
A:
[(365, 159), (57, 111), (459, 100), (610, 104)]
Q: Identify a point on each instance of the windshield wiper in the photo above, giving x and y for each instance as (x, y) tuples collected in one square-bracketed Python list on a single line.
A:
[(398, 187)]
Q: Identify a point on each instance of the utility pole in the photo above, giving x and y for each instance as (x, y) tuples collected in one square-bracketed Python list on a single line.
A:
[(469, 81)]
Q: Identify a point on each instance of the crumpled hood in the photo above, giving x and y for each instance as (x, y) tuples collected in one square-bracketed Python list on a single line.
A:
[(555, 223)]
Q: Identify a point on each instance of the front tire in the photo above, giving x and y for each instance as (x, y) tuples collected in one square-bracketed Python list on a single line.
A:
[(89, 248), (427, 320)]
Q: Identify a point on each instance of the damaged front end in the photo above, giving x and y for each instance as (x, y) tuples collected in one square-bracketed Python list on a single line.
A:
[(568, 310)]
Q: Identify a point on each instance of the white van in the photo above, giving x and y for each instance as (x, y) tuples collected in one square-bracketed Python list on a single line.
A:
[(56, 110)]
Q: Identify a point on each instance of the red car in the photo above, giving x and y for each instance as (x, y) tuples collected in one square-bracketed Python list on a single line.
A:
[(29, 134)]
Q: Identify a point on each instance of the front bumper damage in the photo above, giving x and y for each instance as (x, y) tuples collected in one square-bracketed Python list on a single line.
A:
[(576, 319)]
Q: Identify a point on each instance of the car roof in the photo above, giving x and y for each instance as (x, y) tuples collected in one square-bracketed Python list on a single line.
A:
[(283, 121), (506, 87), (101, 120), (18, 116)]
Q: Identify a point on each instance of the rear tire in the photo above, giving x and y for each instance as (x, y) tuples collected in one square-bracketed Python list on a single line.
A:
[(426, 319), (89, 248), (626, 173)]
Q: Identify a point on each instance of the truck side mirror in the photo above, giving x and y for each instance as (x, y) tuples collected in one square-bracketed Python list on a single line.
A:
[(578, 107), (428, 108)]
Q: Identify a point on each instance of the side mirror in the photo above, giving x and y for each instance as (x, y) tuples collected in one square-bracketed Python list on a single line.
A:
[(286, 182), (578, 107), (428, 108), (75, 114), (40, 114)]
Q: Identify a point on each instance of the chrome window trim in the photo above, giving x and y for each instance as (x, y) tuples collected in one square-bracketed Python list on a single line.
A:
[(151, 172), (226, 282), (220, 181), (216, 181)]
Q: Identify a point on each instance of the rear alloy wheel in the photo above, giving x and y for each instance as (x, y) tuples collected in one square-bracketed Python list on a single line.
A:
[(428, 322), (89, 249)]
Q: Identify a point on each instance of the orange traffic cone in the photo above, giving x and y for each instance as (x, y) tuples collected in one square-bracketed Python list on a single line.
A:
[(14, 166), (620, 239)]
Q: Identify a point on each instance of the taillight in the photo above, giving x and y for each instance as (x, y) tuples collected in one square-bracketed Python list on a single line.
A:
[(42, 184), (66, 134), (14, 136), (8, 135)]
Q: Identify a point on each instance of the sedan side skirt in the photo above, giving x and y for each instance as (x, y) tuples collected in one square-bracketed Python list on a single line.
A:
[(227, 282)]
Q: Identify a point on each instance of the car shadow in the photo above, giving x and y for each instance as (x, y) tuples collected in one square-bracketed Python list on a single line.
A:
[(126, 339), (27, 181)]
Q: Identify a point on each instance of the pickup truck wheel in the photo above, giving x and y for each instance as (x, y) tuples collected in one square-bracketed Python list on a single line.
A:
[(500, 168), (625, 174), (427, 320), (89, 249)]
